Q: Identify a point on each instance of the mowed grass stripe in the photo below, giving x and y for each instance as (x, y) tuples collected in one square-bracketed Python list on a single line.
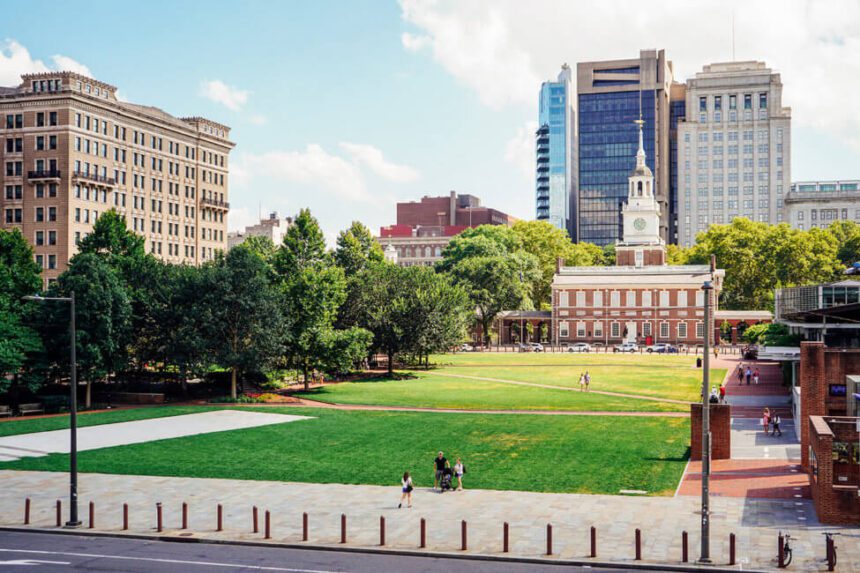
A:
[(593, 454)]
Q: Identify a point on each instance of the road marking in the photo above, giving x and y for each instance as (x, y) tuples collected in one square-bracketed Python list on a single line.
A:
[(34, 562), (172, 561)]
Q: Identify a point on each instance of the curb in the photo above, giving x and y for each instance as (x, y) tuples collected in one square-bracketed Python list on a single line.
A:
[(385, 551)]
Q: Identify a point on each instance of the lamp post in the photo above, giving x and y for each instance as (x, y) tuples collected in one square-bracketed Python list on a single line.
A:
[(73, 414), (706, 429)]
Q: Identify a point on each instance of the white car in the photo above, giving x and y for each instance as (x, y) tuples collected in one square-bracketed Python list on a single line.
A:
[(579, 347), (467, 348), (662, 348), (626, 347), (536, 346)]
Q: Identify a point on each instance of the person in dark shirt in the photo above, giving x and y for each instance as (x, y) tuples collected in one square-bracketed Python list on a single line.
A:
[(439, 466)]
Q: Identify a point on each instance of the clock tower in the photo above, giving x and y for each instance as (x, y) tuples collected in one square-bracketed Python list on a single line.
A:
[(641, 244)]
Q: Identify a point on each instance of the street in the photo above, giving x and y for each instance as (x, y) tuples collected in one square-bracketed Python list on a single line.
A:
[(45, 552)]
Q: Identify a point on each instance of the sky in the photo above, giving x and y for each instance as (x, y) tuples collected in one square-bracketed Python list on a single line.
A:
[(346, 107)]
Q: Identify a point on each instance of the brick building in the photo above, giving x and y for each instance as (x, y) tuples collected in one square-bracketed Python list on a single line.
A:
[(425, 227), (71, 151), (641, 299)]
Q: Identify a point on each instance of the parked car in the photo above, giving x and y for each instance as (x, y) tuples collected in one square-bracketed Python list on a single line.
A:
[(662, 348), (579, 347), (524, 347), (467, 348), (536, 346), (626, 347)]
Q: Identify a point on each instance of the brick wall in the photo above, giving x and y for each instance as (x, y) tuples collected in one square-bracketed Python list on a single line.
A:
[(650, 257), (836, 501), (721, 435)]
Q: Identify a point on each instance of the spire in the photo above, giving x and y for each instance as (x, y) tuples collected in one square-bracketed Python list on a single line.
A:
[(640, 154)]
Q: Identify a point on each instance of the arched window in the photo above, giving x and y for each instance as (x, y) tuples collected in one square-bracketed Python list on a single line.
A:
[(438, 251), (639, 188)]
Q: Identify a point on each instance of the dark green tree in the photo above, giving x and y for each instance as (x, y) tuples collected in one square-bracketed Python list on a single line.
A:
[(356, 249), (303, 246), (111, 236)]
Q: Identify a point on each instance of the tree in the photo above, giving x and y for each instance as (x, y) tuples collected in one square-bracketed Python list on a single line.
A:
[(496, 283), (303, 246), (676, 255), (356, 249), (481, 241), (240, 313), (770, 334), (110, 235), (846, 235)]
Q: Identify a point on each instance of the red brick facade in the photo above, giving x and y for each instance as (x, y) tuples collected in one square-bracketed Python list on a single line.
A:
[(835, 472), (721, 431), (626, 256)]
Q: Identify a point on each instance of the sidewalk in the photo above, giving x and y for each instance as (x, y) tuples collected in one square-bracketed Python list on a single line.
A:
[(756, 522)]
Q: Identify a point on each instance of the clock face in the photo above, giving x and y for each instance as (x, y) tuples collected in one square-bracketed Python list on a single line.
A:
[(639, 224)]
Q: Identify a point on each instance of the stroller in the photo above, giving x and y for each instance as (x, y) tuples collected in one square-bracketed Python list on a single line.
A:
[(447, 477)]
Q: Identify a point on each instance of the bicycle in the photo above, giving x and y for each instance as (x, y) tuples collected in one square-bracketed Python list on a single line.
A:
[(786, 551)]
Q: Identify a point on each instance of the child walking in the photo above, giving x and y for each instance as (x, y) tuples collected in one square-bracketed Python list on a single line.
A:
[(406, 492)]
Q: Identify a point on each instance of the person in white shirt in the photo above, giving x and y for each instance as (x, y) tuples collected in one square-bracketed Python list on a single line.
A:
[(459, 470), (406, 491)]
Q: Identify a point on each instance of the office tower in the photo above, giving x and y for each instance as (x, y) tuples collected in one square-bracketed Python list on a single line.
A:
[(71, 151), (734, 148), (555, 183), (610, 97), (820, 203)]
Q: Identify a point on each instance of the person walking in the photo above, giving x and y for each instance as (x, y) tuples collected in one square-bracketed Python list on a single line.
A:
[(740, 373), (587, 380), (755, 376), (439, 466), (722, 394), (765, 420), (581, 381), (776, 422), (748, 374), (459, 472), (406, 490)]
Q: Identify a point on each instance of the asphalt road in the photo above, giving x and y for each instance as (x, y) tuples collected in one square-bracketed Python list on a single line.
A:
[(45, 552)]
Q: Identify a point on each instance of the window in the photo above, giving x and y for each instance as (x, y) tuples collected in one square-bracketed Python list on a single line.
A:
[(563, 331), (615, 299), (682, 298), (52, 237), (52, 213), (615, 330), (40, 214), (762, 101), (52, 118), (747, 101), (733, 101), (646, 298), (40, 238), (646, 329), (52, 261), (682, 330), (598, 329), (664, 298), (664, 330), (580, 330), (703, 103), (580, 299), (700, 298), (597, 298), (700, 330), (631, 298)]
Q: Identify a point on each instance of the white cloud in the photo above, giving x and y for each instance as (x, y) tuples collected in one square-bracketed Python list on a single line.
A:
[(258, 119), (504, 49), (67, 64), (240, 217), (230, 97), (373, 158), (16, 60), (520, 149)]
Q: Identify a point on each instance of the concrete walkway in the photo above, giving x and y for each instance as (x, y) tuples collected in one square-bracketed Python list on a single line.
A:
[(123, 433), (756, 522)]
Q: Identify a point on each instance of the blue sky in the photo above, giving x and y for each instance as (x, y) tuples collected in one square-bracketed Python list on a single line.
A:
[(348, 107)]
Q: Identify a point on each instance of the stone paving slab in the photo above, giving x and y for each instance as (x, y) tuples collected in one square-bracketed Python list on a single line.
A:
[(756, 522), (750, 442), (123, 433)]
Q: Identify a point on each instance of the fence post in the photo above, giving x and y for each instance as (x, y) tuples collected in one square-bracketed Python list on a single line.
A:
[(27, 511), (184, 515), (423, 538), (505, 538), (220, 524), (158, 517), (684, 554), (382, 530), (59, 513), (254, 523), (343, 528), (268, 533), (593, 541), (92, 515), (304, 527), (125, 517), (549, 539), (463, 544), (638, 545), (732, 549)]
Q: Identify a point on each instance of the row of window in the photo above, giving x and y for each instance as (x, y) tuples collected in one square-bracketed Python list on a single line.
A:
[(631, 298), (596, 330), (717, 101), (826, 214)]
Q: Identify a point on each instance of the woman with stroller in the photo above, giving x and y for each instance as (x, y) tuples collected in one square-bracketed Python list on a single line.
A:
[(406, 492)]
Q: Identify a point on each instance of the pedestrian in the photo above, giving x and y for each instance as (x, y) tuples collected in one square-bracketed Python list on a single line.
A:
[(722, 394), (740, 373), (581, 381), (765, 420), (459, 472), (755, 376), (713, 399), (439, 466), (406, 491), (748, 374), (587, 380), (776, 422), (716, 352)]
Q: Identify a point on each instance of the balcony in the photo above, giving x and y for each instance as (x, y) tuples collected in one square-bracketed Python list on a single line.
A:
[(214, 204), (43, 175), (94, 178)]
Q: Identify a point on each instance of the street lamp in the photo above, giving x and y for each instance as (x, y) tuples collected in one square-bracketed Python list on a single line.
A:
[(73, 414), (706, 429)]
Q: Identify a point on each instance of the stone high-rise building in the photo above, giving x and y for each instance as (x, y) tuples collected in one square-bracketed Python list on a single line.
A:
[(71, 151)]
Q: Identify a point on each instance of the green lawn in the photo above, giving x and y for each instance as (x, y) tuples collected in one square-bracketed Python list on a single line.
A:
[(584, 454), (27, 426), (431, 390)]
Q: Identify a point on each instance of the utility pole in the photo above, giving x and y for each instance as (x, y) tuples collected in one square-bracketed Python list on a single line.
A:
[(706, 428)]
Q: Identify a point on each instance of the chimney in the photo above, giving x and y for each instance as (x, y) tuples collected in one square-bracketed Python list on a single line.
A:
[(713, 263), (452, 209), (559, 262)]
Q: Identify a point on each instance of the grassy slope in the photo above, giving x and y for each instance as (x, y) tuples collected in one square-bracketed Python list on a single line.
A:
[(598, 454)]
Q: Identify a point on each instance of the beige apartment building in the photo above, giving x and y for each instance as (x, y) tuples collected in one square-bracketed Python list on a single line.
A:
[(71, 151)]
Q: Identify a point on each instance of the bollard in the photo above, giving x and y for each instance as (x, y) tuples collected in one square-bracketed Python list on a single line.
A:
[(184, 516), (343, 528), (463, 544), (684, 554), (92, 515), (27, 511), (254, 524), (220, 525), (780, 553), (268, 533), (158, 514), (125, 517), (59, 513), (638, 545), (382, 531), (732, 560), (304, 527), (593, 541), (831, 553), (423, 540), (505, 538), (549, 539)]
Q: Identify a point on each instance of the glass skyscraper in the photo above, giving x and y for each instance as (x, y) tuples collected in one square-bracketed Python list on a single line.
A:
[(554, 139)]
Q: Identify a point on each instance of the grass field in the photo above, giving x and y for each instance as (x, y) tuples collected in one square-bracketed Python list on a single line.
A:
[(583, 454), (655, 376)]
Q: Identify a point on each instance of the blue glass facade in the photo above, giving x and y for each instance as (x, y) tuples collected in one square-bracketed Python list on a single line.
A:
[(553, 140), (608, 140), (677, 111)]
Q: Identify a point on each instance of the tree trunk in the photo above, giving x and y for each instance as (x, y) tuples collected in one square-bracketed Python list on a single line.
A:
[(233, 383), (390, 363), (87, 399), (305, 374)]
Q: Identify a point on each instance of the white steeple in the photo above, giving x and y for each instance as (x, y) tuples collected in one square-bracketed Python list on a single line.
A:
[(641, 214)]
